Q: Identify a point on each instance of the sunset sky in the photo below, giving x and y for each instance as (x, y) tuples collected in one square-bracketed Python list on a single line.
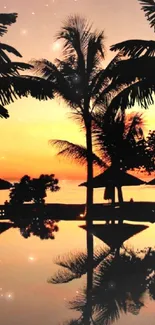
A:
[(24, 136)]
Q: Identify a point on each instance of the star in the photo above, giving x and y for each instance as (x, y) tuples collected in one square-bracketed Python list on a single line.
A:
[(33, 13), (9, 296), (23, 32)]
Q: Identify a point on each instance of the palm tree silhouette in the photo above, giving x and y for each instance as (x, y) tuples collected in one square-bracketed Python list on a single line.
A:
[(120, 285), (149, 8), (139, 61), (119, 143), (14, 85), (74, 265), (82, 82)]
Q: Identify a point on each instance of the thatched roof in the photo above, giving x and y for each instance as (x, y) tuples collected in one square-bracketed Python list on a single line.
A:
[(115, 235), (114, 177), (152, 182)]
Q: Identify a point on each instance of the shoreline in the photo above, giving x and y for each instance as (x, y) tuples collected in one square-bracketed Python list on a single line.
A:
[(131, 211)]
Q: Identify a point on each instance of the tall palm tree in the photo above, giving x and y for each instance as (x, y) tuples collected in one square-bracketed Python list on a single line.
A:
[(87, 87), (12, 84), (77, 77)]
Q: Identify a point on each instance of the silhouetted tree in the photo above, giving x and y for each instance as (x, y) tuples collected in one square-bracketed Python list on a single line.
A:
[(148, 6), (74, 265), (34, 189), (82, 82), (44, 229), (119, 143), (150, 149), (120, 285), (139, 63), (12, 84)]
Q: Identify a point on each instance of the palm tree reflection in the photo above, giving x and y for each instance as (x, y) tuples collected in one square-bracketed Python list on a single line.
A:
[(120, 283)]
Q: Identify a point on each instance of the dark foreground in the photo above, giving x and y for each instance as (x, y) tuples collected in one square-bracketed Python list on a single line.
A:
[(132, 211)]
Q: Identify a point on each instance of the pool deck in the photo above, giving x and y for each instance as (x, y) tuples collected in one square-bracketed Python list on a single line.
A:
[(131, 211)]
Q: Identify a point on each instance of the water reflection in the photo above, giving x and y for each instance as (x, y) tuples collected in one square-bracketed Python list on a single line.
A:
[(118, 282), (44, 229), (121, 284)]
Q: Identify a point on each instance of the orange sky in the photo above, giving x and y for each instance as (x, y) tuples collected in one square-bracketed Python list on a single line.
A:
[(24, 137)]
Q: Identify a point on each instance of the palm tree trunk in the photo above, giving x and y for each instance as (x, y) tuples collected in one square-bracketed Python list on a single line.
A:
[(88, 314), (89, 195), (89, 205)]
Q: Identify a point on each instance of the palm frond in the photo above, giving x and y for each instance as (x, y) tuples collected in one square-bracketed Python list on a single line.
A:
[(75, 152), (94, 53), (12, 68), (139, 92), (62, 85), (131, 70), (15, 87), (6, 20), (62, 276), (135, 48), (75, 33), (9, 49), (103, 85), (75, 265), (134, 124), (73, 322), (148, 6), (109, 313), (3, 112)]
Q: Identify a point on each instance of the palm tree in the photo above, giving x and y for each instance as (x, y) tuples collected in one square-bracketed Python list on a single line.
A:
[(12, 84), (120, 285), (77, 77), (119, 143), (84, 84), (74, 265)]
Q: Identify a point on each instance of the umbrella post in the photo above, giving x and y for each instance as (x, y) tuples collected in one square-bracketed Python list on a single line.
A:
[(113, 202), (120, 195), (120, 200)]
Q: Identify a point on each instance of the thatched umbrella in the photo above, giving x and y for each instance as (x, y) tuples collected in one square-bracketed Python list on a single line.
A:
[(152, 182), (5, 226), (114, 177), (5, 185), (115, 235)]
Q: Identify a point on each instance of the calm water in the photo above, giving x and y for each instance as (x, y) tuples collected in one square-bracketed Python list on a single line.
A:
[(26, 264), (70, 192)]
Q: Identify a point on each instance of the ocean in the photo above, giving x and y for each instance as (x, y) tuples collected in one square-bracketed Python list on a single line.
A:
[(71, 193)]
